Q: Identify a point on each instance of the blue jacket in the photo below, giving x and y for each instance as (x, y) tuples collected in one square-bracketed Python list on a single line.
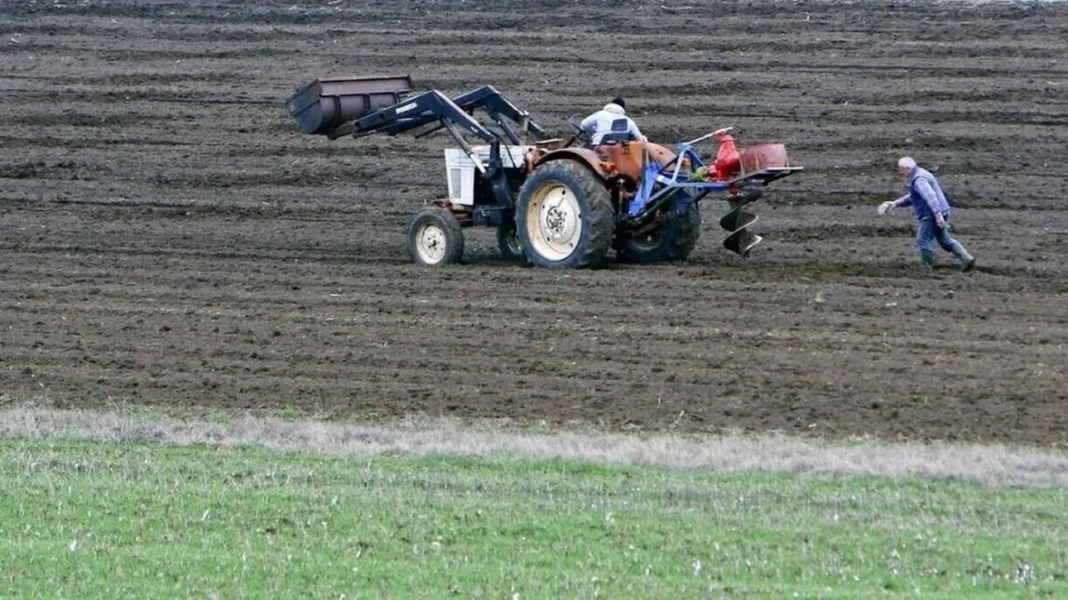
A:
[(925, 199)]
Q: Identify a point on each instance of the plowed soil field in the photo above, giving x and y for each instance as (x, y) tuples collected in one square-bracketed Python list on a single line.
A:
[(169, 237)]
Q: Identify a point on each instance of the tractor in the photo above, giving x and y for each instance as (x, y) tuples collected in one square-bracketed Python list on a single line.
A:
[(556, 202)]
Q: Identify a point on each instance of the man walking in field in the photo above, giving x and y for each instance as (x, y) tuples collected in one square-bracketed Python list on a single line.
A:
[(929, 202)]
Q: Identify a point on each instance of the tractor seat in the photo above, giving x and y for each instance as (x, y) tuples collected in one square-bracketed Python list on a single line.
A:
[(619, 133)]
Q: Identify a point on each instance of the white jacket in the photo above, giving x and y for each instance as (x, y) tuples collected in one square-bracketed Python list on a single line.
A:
[(600, 123)]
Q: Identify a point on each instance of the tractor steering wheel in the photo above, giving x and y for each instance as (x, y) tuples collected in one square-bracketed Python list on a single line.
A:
[(577, 133)]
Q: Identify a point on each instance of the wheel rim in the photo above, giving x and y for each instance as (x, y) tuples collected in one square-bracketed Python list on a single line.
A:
[(554, 221), (430, 243)]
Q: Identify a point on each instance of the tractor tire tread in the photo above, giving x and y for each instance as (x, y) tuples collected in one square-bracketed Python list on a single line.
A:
[(599, 218), (689, 233), (454, 235), (683, 233)]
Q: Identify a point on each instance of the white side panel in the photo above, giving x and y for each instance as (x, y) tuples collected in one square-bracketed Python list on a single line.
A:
[(460, 170)]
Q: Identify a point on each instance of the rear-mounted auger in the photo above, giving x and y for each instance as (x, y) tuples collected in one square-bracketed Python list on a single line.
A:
[(728, 166), (743, 175), (556, 203)]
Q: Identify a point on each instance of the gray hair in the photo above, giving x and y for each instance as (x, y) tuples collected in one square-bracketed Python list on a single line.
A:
[(906, 163)]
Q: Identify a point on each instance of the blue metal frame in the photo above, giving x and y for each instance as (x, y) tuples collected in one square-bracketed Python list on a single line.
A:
[(670, 180), (669, 184)]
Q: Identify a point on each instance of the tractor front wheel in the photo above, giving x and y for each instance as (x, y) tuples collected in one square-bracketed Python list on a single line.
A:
[(564, 216), (674, 240), (435, 238)]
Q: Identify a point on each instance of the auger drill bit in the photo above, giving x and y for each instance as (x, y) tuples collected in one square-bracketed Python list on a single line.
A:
[(741, 240)]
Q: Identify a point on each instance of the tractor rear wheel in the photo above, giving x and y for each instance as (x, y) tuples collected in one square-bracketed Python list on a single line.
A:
[(435, 238), (564, 216), (675, 239)]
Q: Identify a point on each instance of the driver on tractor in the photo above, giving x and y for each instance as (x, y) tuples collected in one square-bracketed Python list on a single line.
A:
[(611, 124)]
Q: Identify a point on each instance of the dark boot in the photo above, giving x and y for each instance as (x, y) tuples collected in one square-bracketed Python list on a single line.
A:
[(926, 261), (967, 261)]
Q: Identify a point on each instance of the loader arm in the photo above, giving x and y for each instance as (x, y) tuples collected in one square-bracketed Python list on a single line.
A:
[(411, 113), (499, 108), (455, 116), (361, 106), (425, 108)]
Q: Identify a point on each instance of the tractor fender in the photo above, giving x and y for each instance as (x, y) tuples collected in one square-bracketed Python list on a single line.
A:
[(661, 155), (582, 155)]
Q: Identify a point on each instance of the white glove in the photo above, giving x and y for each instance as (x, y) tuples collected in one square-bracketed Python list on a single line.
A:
[(940, 221), (886, 207)]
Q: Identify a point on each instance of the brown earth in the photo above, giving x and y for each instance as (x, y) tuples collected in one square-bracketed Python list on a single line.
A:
[(168, 236)]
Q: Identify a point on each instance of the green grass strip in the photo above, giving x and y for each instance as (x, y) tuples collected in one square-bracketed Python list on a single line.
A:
[(108, 520)]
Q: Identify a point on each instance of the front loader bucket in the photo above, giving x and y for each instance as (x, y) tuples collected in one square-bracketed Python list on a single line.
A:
[(741, 240), (324, 104)]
